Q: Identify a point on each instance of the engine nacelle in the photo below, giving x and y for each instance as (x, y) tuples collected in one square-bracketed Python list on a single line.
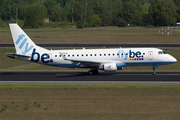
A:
[(109, 67)]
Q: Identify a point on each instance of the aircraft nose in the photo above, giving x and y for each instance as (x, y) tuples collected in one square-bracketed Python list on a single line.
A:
[(173, 60)]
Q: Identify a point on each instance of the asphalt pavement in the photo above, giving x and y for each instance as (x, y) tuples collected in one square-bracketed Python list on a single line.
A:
[(82, 77)]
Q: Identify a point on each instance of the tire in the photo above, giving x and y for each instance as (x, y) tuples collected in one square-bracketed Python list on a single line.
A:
[(154, 73), (90, 72)]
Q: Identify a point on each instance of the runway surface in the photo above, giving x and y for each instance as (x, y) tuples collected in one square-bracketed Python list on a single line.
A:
[(162, 46), (82, 78)]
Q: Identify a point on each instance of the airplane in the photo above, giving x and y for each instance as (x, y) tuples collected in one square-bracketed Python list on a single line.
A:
[(108, 60)]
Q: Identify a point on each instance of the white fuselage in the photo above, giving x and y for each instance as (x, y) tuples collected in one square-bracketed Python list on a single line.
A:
[(122, 57)]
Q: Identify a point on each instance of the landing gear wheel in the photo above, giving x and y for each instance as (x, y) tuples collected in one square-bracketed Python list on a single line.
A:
[(93, 72), (90, 72), (154, 73)]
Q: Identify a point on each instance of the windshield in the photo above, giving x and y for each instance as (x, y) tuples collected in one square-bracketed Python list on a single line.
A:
[(164, 52), (161, 52)]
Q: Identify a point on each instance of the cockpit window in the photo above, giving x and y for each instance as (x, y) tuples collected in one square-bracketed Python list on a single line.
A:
[(161, 52), (164, 52)]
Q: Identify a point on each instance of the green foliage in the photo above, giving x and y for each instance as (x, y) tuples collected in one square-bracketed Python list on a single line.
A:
[(96, 21), (132, 25), (149, 26), (128, 11), (122, 23), (103, 8), (50, 4), (3, 24), (163, 12), (7, 10), (57, 24), (5, 105), (56, 14), (34, 19), (37, 105), (88, 13), (3, 109), (16, 105), (79, 24), (26, 107), (83, 13)]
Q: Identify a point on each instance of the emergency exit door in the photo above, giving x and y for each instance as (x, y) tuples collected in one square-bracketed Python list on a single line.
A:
[(150, 54)]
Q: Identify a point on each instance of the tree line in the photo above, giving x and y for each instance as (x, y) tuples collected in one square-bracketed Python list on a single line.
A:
[(92, 13)]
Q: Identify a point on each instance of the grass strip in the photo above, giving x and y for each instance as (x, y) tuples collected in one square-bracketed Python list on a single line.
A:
[(90, 102), (17, 86)]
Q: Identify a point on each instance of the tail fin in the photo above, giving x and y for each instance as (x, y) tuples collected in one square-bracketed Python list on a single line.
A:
[(23, 44)]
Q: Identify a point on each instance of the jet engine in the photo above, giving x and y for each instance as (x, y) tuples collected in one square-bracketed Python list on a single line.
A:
[(109, 67)]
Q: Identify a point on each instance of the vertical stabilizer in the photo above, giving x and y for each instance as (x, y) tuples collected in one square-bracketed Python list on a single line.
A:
[(23, 44)]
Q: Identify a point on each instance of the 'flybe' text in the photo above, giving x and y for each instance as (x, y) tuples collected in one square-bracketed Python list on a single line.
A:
[(20, 37), (36, 56), (132, 55)]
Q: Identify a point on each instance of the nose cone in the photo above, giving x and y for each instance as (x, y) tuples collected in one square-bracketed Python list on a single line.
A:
[(173, 60)]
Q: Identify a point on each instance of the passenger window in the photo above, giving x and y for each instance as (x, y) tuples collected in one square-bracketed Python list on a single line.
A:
[(113, 54), (104, 54), (55, 55), (59, 55), (68, 55), (99, 54), (94, 54), (77, 55), (109, 54), (122, 54), (73, 55), (82, 55), (86, 54), (90, 54), (143, 53), (117, 54)]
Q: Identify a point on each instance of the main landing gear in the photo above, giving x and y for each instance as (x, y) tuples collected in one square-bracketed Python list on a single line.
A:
[(93, 71)]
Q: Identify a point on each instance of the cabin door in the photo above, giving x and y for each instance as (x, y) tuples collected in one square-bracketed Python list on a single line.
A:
[(150, 55)]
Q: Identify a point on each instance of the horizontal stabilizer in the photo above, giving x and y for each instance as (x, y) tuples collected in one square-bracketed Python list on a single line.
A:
[(14, 55)]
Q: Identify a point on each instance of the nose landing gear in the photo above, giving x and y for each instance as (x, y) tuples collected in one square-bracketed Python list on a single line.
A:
[(154, 67), (154, 73)]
